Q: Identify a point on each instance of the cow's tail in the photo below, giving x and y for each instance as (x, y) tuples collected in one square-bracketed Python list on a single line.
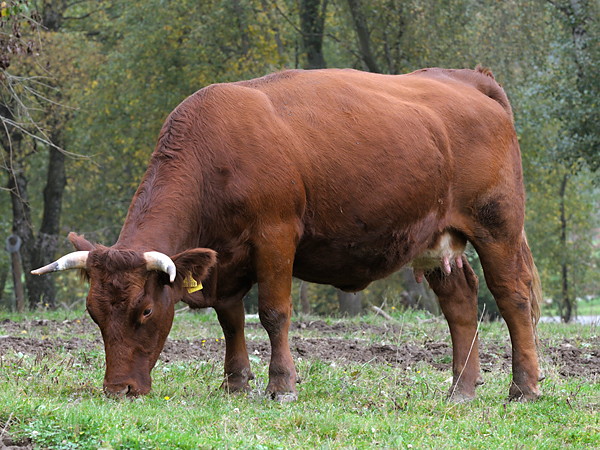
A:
[(535, 293)]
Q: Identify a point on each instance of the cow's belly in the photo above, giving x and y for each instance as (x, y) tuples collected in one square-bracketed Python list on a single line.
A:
[(351, 265)]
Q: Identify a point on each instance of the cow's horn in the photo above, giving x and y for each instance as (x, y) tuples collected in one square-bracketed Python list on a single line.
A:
[(75, 260), (160, 261)]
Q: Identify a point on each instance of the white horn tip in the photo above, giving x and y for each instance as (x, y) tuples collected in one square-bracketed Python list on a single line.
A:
[(46, 269), (160, 261), (75, 260)]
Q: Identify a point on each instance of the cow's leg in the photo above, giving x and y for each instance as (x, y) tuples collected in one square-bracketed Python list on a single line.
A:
[(231, 316), (274, 261), (457, 294), (509, 273)]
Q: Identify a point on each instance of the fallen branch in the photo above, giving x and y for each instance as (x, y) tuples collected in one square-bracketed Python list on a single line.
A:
[(5, 427), (382, 312), (182, 310)]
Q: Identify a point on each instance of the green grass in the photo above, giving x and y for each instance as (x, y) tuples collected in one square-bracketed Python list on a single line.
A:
[(56, 400), (589, 307)]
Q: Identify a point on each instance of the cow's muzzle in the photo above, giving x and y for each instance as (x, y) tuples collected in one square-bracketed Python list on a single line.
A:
[(121, 390)]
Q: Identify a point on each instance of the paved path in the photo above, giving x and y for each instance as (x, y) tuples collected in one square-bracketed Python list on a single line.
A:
[(585, 320)]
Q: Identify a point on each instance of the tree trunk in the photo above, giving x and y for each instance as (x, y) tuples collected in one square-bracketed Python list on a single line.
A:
[(364, 39), (312, 24), (241, 23), (3, 278), (304, 297), (419, 294), (350, 303), (566, 306), (52, 12), (17, 185), (48, 236), (392, 46), (267, 9)]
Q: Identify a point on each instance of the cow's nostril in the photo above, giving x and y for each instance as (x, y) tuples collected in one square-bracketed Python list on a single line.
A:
[(125, 390)]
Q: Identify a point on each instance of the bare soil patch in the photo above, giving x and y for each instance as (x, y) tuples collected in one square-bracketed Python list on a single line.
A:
[(571, 358), (7, 443)]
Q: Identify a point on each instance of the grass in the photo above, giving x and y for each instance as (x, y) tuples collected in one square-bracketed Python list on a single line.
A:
[(56, 401), (588, 307)]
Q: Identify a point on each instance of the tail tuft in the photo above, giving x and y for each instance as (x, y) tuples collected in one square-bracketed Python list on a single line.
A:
[(535, 294)]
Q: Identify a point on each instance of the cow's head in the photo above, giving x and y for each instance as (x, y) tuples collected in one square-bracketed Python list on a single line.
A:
[(132, 299)]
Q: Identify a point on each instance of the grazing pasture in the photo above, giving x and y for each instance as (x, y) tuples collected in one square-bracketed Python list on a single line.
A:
[(366, 383)]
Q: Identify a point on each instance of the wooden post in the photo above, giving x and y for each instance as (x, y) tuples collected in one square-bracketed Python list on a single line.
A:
[(13, 244)]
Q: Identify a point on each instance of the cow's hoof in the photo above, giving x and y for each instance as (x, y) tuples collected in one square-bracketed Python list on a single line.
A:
[(282, 395), (464, 391), (458, 396), (235, 388), (234, 383), (523, 393)]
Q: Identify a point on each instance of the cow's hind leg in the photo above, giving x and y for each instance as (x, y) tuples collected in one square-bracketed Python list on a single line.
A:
[(231, 316), (457, 294), (513, 280), (274, 259)]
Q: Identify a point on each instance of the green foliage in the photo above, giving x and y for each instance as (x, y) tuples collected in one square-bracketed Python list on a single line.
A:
[(486, 305), (541, 117), (122, 67), (577, 55), (165, 52)]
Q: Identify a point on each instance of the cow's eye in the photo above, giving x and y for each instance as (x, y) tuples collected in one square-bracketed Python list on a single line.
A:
[(147, 312)]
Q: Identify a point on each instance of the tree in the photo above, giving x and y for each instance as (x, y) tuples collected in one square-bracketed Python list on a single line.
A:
[(312, 25), (150, 63), (364, 39), (36, 106), (581, 49), (134, 61), (14, 113)]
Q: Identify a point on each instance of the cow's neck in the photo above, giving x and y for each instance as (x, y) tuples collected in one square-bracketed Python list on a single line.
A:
[(161, 216)]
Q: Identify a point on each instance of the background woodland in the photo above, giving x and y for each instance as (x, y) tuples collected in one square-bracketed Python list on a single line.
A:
[(86, 85)]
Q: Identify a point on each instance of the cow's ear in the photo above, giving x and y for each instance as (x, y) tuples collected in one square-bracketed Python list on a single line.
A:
[(80, 243), (193, 267)]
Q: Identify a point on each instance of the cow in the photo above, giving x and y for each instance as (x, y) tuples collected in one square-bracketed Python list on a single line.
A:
[(337, 177)]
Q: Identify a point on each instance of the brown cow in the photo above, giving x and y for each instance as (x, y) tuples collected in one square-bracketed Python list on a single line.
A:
[(333, 176)]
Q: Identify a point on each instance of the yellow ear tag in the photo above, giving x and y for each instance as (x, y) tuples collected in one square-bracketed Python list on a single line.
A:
[(191, 284)]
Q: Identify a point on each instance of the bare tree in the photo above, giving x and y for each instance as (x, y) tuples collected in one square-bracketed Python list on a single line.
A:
[(364, 39), (20, 137)]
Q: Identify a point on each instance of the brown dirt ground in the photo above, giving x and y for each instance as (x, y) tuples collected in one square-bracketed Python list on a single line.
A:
[(570, 359)]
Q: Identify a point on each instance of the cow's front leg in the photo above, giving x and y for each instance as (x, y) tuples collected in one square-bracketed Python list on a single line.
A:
[(274, 261), (282, 373), (237, 365), (457, 294)]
